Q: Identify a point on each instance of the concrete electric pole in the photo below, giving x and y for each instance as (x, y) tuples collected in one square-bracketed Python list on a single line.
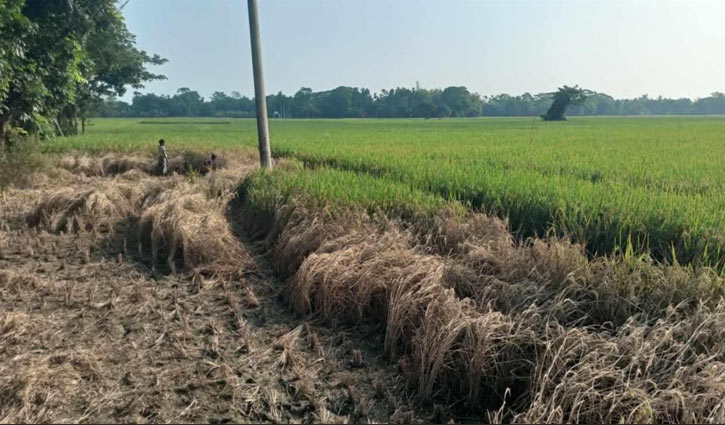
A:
[(265, 154)]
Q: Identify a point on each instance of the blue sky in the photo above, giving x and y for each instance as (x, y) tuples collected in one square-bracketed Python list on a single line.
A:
[(622, 47)]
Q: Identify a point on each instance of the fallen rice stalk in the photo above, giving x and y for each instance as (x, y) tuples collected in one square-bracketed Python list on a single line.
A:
[(546, 332)]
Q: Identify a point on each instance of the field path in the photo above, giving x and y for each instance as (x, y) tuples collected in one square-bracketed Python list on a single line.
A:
[(89, 334)]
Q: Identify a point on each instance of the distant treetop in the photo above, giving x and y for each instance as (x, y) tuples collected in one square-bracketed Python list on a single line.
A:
[(562, 99)]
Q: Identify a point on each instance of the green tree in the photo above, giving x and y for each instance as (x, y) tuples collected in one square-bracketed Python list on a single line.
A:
[(562, 98), (336, 103), (150, 105), (112, 62), (303, 103), (186, 103), (38, 70), (714, 104), (58, 58), (425, 109), (14, 27), (459, 100)]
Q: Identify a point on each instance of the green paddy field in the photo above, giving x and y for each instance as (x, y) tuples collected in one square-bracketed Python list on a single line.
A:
[(624, 186)]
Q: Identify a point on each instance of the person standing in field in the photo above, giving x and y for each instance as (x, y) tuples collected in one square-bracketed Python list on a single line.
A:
[(163, 164)]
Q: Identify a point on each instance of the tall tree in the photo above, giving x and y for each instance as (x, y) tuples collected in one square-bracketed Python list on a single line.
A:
[(42, 60), (715, 104), (336, 103), (564, 97), (58, 57), (186, 103), (303, 102), (14, 27), (112, 62), (459, 100)]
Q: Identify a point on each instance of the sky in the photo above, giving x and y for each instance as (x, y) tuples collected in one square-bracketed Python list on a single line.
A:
[(625, 48)]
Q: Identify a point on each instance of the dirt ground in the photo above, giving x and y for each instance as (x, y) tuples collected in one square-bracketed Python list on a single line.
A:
[(89, 333)]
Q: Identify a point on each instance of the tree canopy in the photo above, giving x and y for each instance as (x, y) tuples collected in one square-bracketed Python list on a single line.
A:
[(401, 102), (59, 59), (561, 99)]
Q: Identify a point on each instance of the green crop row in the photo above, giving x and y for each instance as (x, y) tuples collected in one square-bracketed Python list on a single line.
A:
[(336, 190)]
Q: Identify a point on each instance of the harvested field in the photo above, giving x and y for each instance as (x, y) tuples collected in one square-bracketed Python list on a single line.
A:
[(90, 333), (195, 298)]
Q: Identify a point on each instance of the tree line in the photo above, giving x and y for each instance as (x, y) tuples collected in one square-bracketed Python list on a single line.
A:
[(60, 60), (341, 102), (354, 102)]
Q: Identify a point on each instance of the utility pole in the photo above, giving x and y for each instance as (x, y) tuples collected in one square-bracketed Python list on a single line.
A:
[(265, 155)]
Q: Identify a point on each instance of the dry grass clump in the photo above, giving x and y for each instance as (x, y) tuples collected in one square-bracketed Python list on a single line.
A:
[(180, 219), (471, 357), (556, 275), (178, 215), (453, 233), (81, 164), (671, 372), (112, 164), (96, 208), (350, 277), (191, 161), (303, 233), (531, 332), (455, 351), (163, 190), (485, 244), (47, 179), (134, 175), (108, 165), (222, 182)]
